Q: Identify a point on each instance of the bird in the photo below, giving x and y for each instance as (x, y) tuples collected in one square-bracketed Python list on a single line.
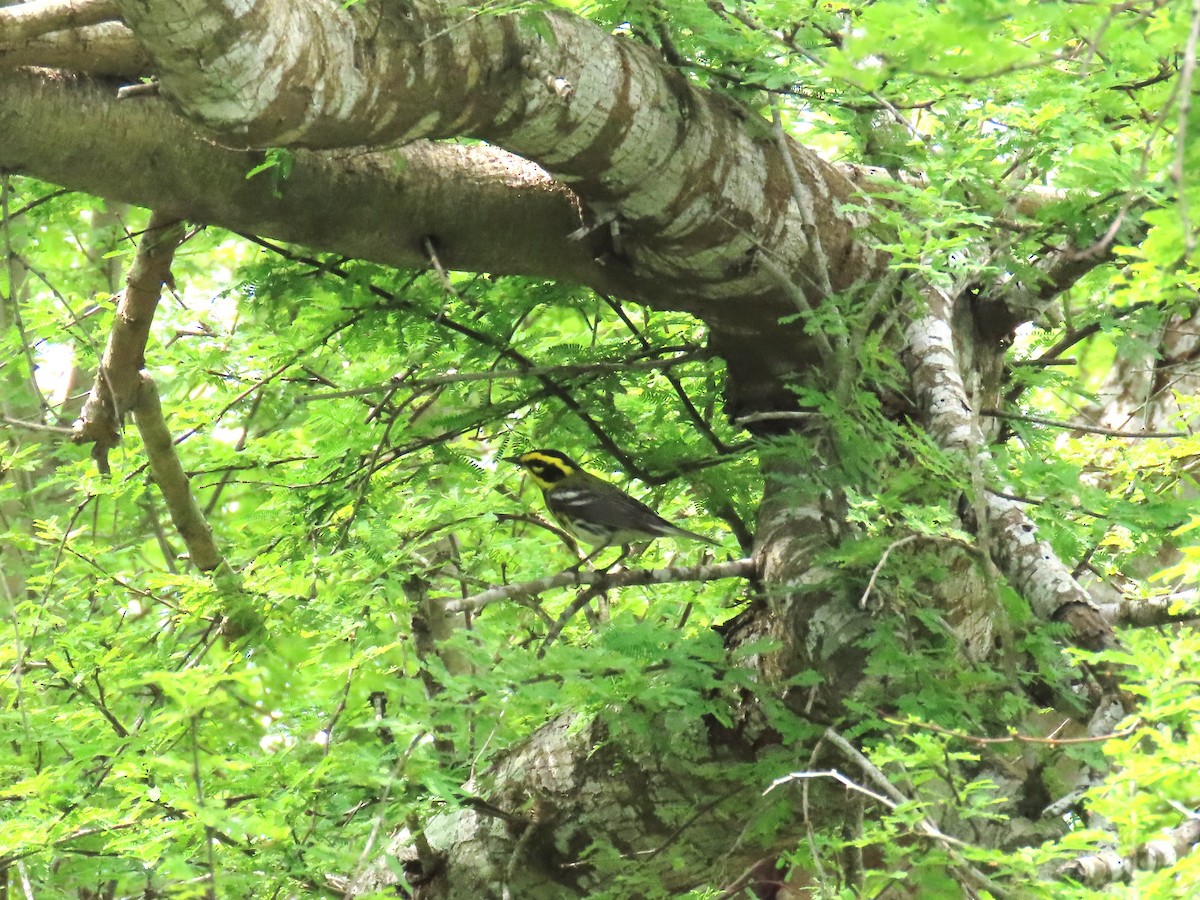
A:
[(592, 510)]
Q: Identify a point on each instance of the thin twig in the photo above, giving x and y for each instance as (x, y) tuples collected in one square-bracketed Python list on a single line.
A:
[(1079, 426), (862, 603), (1020, 738), (585, 597), (36, 426)]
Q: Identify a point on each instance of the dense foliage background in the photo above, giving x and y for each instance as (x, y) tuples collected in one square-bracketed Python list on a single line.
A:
[(166, 733)]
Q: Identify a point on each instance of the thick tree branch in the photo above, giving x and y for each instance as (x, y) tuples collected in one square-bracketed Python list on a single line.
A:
[(1153, 612), (379, 207), (1029, 563), (106, 49), (37, 17), (1097, 870), (693, 189), (696, 186)]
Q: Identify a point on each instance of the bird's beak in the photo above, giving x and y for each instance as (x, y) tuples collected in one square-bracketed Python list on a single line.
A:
[(512, 459)]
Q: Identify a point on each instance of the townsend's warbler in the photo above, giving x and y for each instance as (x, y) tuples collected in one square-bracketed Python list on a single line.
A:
[(592, 510)]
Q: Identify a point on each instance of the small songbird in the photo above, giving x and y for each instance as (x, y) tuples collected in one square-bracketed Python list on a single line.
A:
[(592, 510)]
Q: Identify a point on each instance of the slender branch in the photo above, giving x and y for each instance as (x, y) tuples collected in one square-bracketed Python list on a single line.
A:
[(802, 195), (836, 776), (688, 406), (924, 825), (35, 426), (1078, 426), (472, 333), (866, 596), (72, 684), (738, 568), (168, 474), (118, 380), (585, 597), (1015, 738)]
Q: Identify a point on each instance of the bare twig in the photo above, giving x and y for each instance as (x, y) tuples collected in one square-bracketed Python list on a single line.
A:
[(1079, 426), (925, 826), (862, 602), (836, 776), (585, 597)]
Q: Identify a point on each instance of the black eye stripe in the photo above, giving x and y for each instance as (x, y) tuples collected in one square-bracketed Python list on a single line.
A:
[(547, 467)]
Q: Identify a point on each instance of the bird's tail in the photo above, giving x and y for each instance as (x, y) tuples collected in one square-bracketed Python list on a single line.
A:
[(675, 531)]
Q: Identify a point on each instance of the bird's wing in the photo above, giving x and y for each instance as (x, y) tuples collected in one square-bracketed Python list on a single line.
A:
[(611, 509)]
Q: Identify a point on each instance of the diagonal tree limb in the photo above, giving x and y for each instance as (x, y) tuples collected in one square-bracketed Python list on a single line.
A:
[(168, 474), (1026, 561), (118, 377), (122, 387), (1154, 612)]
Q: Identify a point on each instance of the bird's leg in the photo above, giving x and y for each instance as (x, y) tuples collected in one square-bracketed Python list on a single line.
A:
[(625, 551), (588, 559)]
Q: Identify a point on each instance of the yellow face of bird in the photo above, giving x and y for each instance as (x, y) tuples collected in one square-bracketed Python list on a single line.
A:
[(548, 467)]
